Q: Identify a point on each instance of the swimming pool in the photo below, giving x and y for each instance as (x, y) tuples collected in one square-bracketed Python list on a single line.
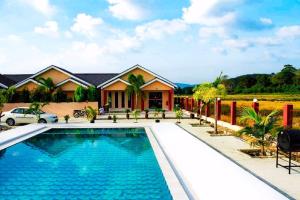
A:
[(97, 163)]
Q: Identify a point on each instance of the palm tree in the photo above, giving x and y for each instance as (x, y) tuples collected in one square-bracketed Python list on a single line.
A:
[(91, 114), (263, 129), (48, 84), (36, 108), (135, 86)]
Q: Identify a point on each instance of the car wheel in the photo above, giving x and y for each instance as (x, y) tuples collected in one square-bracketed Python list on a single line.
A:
[(42, 121), (10, 122)]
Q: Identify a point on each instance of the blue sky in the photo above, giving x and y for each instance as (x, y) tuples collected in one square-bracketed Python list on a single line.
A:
[(188, 41)]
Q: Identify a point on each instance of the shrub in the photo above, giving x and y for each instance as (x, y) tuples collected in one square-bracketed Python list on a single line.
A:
[(59, 96), (40, 95), (92, 93), (25, 96), (80, 94), (67, 117)]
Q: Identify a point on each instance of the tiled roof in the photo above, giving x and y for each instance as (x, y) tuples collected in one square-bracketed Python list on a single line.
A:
[(95, 78), (6, 80), (17, 77)]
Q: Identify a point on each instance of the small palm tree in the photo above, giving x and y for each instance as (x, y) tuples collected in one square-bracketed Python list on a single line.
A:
[(36, 109), (91, 114), (136, 113), (48, 84), (263, 128), (135, 86), (179, 114)]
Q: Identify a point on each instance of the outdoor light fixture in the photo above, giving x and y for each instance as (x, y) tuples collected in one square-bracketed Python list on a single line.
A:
[(255, 100), (218, 98)]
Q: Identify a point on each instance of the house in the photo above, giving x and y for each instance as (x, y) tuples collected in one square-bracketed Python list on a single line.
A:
[(158, 92)]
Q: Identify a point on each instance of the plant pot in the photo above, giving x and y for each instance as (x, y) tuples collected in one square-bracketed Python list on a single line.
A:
[(164, 115), (92, 121), (192, 115), (109, 117), (146, 116), (157, 120), (127, 116)]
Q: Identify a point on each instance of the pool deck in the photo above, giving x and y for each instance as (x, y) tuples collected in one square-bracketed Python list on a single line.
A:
[(203, 171)]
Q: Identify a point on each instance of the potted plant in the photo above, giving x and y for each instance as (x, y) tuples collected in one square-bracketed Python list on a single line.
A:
[(91, 114), (136, 113), (164, 114), (179, 114), (114, 119), (127, 113), (192, 115), (67, 117), (146, 113), (263, 130), (156, 115)]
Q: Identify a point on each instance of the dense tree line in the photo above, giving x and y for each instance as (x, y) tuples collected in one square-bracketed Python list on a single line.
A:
[(285, 81)]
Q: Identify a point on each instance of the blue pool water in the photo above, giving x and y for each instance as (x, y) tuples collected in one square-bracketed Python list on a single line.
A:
[(82, 164)]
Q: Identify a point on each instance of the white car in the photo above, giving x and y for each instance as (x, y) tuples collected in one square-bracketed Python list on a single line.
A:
[(22, 115)]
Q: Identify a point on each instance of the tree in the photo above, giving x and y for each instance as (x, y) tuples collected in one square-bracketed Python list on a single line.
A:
[(2, 101), (48, 83), (36, 109), (40, 95), (135, 86), (11, 94), (263, 129), (202, 94), (92, 93), (285, 76), (80, 94)]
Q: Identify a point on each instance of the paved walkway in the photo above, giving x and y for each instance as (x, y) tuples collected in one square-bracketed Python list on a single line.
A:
[(264, 168)]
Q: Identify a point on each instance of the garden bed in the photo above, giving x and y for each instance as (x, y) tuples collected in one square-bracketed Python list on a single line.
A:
[(256, 153)]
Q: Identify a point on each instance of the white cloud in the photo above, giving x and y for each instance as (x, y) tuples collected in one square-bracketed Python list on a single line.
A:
[(289, 32), (86, 24), (219, 50), (125, 10), (50, 29), (266, 21), (200, 12), (42, 6), (207, 32), (240, 44), (159, 28)]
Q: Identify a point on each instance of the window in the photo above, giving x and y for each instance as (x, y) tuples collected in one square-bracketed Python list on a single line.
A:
[(123, 99), (116, 99), (129, 101), (155, 100), (18, 111), (109, 99)]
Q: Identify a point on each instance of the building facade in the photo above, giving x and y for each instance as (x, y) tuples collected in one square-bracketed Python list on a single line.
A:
[(157, 92)]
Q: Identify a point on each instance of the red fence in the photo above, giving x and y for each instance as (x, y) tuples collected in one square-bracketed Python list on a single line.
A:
[(230, 112)]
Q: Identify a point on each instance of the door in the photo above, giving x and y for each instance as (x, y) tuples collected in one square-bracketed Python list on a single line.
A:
[(30, 117), (19, 115), (155, 100)]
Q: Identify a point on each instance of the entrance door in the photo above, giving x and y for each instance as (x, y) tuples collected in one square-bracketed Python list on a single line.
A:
[(155, 100)]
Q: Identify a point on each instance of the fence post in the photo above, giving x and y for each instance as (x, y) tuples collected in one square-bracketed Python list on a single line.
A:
[(207, 111), (192, 104), (233, 113), (288, 116), (219, 107), (186, 103), (199, 105), (255, 106)]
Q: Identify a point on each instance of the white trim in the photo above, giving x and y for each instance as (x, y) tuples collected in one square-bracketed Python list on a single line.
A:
[(26, 81), (4, 86), (58, 69), (159, 80), (135, 67), (74, 81), (110, 83)]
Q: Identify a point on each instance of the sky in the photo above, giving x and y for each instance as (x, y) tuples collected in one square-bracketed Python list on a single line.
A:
[(189, 41)]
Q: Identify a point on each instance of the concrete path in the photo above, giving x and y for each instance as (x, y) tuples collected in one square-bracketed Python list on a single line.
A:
[(264, 168)]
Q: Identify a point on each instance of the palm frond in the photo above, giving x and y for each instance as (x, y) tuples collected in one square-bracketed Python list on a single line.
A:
[(250, 114)]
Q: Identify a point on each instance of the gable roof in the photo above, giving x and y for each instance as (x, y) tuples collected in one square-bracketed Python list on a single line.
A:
[(58, 69), (17, 77), (5, 82), (114, 81), (72, 80), (26, 81), (157, 80), (142, 68)]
